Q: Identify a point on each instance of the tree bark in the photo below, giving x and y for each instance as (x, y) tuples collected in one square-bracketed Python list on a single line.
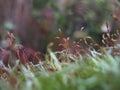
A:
[(19, 13)]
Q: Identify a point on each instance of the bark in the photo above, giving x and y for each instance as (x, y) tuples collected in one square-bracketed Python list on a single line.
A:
[(18, 12)]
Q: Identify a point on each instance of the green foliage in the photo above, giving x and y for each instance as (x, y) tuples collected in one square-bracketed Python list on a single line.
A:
[(74, 67), (64, 70), (67, 65), (90, 74)]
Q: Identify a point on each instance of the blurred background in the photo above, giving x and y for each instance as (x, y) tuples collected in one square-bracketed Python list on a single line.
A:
[(36, 22)]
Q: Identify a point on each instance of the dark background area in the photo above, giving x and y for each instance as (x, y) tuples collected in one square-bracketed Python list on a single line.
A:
[(36, 22)]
